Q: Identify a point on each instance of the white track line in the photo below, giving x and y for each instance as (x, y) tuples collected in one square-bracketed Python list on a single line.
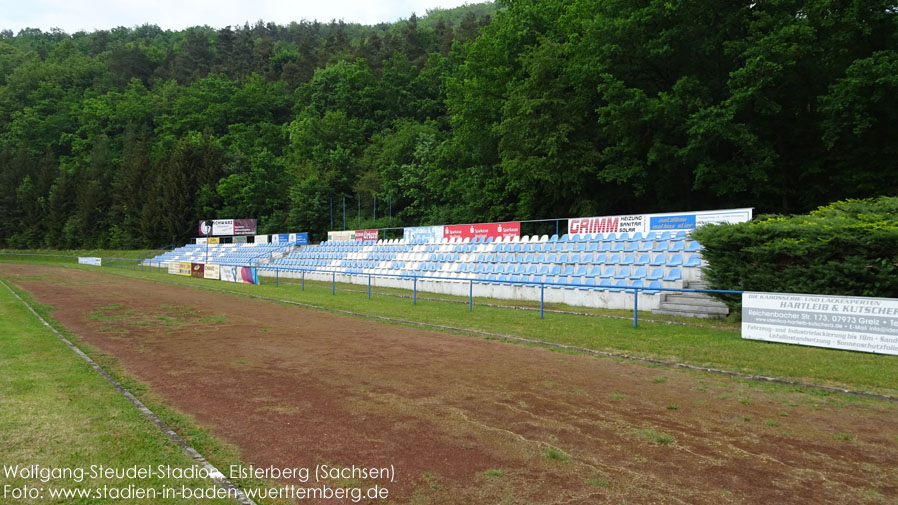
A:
[(217, 476)]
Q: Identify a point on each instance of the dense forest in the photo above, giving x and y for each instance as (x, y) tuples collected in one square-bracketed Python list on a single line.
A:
[(522, 109)]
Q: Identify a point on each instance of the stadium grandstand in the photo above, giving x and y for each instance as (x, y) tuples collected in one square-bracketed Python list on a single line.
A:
[(583, 269)]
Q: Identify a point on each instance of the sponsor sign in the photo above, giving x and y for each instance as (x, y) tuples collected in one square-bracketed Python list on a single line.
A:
[(248, 275), (212, 272), (644, 223), (677, 222), (426, 233), (244, 227), (366, 235), (228, 274), (174, 268), (482, 230), (839, 322), (239, 240), (299, 238), (90, 260), (281, 238), (184, 268), (197, 270), (214, 240), (341, 235), (261, 239), (222, 227)]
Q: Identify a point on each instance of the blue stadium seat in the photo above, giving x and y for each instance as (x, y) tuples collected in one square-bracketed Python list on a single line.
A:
[(693, 261), (693, 246), (600, 259), (629, 259), (581, 271), (621, 284), (678, 246), (606, 285), (660, 259), (619, 247), (675, 260), (556, 270), (614, 259), (586, 259), (562, 258), (605, 247), (568, 270), (596, 271), (657, 274), (674, 275), (592, 246), (588, 283), (639, 273), (644, 259), (664, 236), (654, 288), (623, 273)]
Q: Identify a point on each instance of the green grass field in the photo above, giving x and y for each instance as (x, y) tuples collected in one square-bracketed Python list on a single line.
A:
[(710, 344)]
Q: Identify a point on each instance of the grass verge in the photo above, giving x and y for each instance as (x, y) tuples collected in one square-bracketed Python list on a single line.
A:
[(57, 413)]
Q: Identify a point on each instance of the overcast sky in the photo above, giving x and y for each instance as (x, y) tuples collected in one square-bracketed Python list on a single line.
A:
[(89, 15)]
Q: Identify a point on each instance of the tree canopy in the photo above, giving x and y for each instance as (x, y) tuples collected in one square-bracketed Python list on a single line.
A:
[(520, 110)]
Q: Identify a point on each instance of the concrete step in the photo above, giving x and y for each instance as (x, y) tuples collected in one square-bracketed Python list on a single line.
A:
[(685, 307), (699, 315)]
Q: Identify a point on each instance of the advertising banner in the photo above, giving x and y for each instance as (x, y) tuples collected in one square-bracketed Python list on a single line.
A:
[(248, 275), (426, 233), (174, 268), (366, 235), (675, 221), (839, 322), (261, 239), (239, 240), (184, 268), (89, 260), (202, 241), (222, 227), (341, 235), (228, 274), (244, 227), (299, 238), (212, 272), (197, 270), (214, 240), (482, 230)]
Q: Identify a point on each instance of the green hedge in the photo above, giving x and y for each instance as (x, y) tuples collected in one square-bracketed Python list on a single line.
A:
[(845, 248)]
